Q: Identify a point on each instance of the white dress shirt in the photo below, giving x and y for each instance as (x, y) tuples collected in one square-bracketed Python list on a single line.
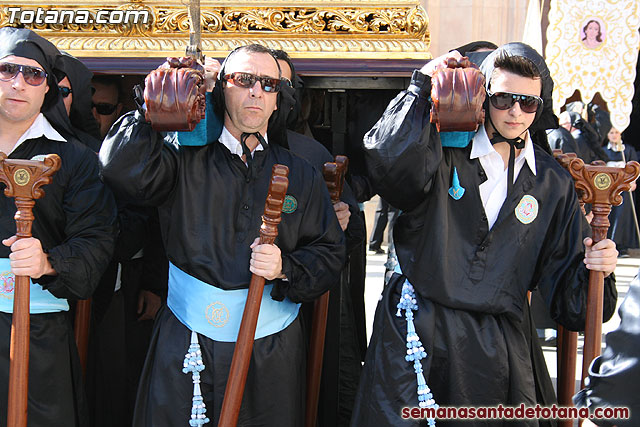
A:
[(493, 191), (39, 127), (234, 145)]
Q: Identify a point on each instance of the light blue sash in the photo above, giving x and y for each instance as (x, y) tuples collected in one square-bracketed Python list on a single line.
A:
[(41, 301), (217, 313)]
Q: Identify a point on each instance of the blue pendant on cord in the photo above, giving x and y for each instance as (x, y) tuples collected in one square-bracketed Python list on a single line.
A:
[(456, 191)]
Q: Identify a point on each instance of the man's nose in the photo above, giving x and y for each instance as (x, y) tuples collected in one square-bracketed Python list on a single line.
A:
[(256, 90), (515, 109), (18, 81)]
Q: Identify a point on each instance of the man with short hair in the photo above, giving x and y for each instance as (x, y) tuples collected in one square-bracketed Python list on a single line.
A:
[(211, 198), (73, 232), (106, 101), (481, 225)]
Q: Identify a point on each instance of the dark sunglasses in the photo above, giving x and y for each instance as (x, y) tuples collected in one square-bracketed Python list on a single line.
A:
[(65, 91), (247, 81), (104, 109), (34, 76), (506, 100)]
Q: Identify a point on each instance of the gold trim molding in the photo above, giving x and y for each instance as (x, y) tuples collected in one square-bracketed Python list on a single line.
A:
[(306, 29)]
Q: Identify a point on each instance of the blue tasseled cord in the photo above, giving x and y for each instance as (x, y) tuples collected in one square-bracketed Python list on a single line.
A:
[(415, 350), (193, 363)]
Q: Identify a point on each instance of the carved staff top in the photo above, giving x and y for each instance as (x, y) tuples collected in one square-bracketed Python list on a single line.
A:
[(273, 205), (24, 178), (601, 186), (334, 173)]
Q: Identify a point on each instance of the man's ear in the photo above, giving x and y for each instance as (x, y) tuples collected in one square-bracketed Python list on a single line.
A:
[(119, 109)]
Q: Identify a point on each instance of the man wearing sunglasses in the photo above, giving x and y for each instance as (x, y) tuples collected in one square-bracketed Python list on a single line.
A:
[(73, 232), (482, 223), (211, 198), (106, 105)]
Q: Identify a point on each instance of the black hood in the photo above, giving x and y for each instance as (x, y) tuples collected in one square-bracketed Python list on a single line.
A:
[(27, 44), (469, 50), (544, 119), (80, 77)]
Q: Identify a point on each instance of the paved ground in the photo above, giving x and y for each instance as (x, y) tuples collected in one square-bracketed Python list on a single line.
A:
[(625, 271)]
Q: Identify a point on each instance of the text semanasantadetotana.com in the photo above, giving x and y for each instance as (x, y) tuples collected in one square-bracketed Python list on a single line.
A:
[(521, 412)]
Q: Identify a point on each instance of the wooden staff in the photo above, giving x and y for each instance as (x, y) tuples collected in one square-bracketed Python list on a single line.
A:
[(244, 345), (81, 331), (23, 179), (567, 354), (334, 173), (601, 186)]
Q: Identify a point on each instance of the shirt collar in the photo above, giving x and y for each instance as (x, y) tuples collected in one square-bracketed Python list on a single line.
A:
[(481, 146), (40, 127), (234, 145), (613, 148)]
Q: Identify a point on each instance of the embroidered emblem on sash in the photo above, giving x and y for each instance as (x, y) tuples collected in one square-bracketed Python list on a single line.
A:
[(602, 181), (7, 284), (21, 177), (217, 314), (290, 204), (456, 191), (527, 209)]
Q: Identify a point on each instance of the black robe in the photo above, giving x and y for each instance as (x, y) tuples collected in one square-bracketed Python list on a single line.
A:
[(471, 282), (623, 227), (76, 224), (562, 139), (614, 377), (210, 207), (341, 362)]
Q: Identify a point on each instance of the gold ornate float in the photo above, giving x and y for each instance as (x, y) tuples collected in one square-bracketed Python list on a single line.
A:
[(393, 29)]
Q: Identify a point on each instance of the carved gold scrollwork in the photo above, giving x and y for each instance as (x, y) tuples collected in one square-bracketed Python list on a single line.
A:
[(398, 27)]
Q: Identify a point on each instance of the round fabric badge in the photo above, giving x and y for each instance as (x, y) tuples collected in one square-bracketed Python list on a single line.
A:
[(527, 209), (290, 204)]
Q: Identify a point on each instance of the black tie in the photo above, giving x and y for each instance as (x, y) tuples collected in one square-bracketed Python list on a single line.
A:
[(513, 144), (247, 153)]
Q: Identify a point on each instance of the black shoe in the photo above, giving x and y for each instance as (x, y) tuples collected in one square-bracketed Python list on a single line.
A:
[(377, 251)]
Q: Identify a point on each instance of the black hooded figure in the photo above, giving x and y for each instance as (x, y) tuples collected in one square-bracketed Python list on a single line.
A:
[(84, 125), (451, 328), (588, 140), (75, 225)]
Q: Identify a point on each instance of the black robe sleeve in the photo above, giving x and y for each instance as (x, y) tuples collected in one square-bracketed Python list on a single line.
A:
[(312, 268), (560, 271), (90, 232), (137, 163), (403, 145), (614, 377), (355, 232)]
